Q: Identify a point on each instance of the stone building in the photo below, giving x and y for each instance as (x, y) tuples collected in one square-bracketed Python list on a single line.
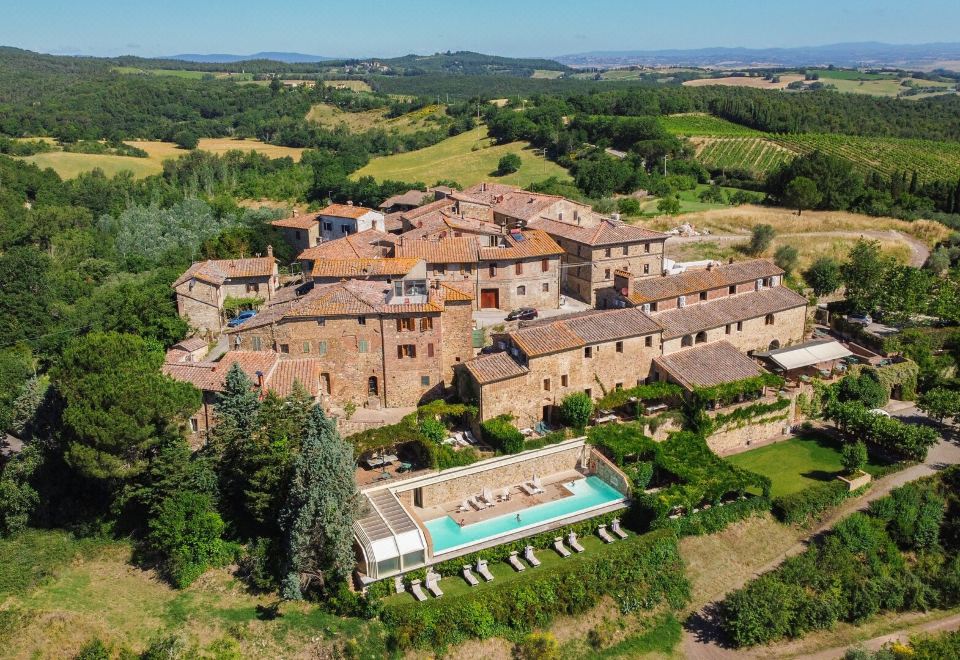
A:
[(653, 294), (601, 350), (266, 371), (339, 220), (300, 230), (368, 244), (592, 253), (203, 288), (376, 343), (328, 271)]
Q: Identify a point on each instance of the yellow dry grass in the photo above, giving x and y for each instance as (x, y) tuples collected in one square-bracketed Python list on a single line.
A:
[(330, 116), (744, 81), (741, 219), (355, 85)]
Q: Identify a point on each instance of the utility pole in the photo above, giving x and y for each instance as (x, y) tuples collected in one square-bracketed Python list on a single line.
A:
[(665, 165)]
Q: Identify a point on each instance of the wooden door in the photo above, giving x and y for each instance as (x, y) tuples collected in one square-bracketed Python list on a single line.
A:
[(489, 298)]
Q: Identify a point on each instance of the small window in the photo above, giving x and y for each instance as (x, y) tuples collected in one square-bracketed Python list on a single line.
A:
[(425, 381), (727, 329), (732, 290), (429, 350), (439, 269), (546, 384), (545, 287), (408, 324), (564, 380), (703, 296), (327, 226), (194, 424), (522, 290), (646, 269), (284, 348), (618, 386), (362, 320), (739, 326), (363, 346), (588, 352), (648, 341), (544, 265), (321, 321), (619, 347), (626, 250), (406, 351), (322, 347), (192, 284), (426, 323), (306, 347), (769, 320), (646, 247), (256, 343), (253, 288), (606, 273), (606, 252), (686, 341), (588, 392), (518, 268), (493, 270), (653, 307)]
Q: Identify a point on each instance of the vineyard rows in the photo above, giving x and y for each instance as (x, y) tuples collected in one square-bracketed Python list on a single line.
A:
[(757, 155)]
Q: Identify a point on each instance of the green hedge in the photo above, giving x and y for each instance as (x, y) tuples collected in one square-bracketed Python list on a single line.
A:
[(659, 391), (640, 573), (714, 519), (502, 435), (620, 441), (808, 504), (747, 414)]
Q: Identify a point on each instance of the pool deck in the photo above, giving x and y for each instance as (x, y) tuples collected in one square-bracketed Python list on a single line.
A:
[(553, 490)]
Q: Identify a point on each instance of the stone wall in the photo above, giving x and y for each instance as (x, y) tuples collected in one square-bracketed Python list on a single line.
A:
[(601, 466), (755, 334), (462, 487), (200, 303), (457, 339), (749, 434), (541, 287)]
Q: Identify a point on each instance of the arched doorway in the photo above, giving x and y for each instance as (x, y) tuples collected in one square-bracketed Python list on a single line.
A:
[(373, 386), (686, 341), (774, 345), (701, 337)]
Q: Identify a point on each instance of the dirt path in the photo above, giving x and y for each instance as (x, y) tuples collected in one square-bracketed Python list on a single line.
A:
[(702, 638), (918, 250), (941, 625)]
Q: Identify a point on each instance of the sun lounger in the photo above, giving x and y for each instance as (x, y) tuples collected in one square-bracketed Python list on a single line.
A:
[(573, 543), (615, 528), (487, 496), (417, 591), (470, 437), (479, 506), (526, 488), (505, 495), (515, 562), (604, 534), (464, 506), (562, 549), (530, 557), (433, 585), (483, 570), (470, 577), (537, 485), (398, 585)]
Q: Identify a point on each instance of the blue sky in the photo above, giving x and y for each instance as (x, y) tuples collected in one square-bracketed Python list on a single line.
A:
[(517, 28)]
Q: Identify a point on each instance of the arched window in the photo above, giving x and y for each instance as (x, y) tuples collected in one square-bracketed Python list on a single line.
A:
[(769, 320), (701, 337), (774, 345), (522, 290), (372, 387), (687, 341)]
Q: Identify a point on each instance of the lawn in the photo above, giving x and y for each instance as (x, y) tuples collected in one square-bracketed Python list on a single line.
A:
[(690, 201), (56, 593), (468, 158), (795, 464)]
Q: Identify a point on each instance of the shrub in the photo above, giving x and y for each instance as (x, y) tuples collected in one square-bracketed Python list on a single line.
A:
[(95, 649), (508, 164), (854, 457), (864, 387), (714, 519), (433, 429), (806, 505), (576, 409), (760, 238), (186, 532), (501, 434), (537, 646), (628, 206), (622, 441)]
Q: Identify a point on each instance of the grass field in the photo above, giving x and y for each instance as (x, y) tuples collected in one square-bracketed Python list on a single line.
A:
[(795, 464), (355, 85), (690, 201), (71, 165), (548, 74), (701, 123), (57, 593), (180, 73), (467, 158), (746, 81), (331, 116)]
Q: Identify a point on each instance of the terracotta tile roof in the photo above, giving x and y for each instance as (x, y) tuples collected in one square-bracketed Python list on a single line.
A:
[(210, 376), (520, 245), (707, 365), (191, 344), (457, 291), (581, 329), (731, 309), (424, 210), (488, 191), (218, 271), (301, 221), (306, 371), (409, 198), (346, 211), (493, 367), (393, 221), (360, 268), (368, 244), (545, 339), (440, 251), (661, 288), (606, 232)]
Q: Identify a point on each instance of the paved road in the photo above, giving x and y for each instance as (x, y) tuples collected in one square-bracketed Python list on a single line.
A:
[(918, 250), (702, 639)]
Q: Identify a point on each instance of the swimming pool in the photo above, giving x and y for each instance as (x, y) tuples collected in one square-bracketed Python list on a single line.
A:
[(589, 493)]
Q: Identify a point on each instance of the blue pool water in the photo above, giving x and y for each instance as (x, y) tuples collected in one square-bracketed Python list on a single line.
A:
[(587, 493)]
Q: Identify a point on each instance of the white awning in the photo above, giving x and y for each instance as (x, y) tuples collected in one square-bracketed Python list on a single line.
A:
[(384, 549), (804, 355), (408, 542)]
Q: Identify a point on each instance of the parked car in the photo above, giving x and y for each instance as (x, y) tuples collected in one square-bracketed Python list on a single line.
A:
[(241, 318), (522, 314), (860, 319)]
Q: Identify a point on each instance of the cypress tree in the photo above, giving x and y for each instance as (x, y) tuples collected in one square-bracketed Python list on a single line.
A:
[(238, 404), (322, 503)]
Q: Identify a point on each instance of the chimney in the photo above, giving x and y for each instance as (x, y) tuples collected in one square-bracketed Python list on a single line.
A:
[(483, 187), (260, 379), (296, 212), (349, 202), (710, 265), (269, 250)]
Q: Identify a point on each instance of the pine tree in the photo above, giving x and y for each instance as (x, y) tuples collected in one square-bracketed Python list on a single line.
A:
[(26, 405), (322, 504), (238, 403)]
